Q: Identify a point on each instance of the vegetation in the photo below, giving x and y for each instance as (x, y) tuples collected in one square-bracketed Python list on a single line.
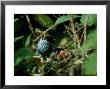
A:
[(74, 46)]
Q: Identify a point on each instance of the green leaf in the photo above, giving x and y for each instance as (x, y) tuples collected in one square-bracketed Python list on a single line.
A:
[(22, 55), (64, 18), (18, 38), (92, 19), (28, 41), (63, 41), (91, 41), (18, 25), (44, 20), (90, 66)]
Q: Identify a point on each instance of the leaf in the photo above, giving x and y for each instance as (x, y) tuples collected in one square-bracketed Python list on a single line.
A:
[(90, 66), (18, 25), (92, 19), (63, 41), (22, 55), (44, 20), (28, 41), (91, 41), (64, 18), (18, 38)]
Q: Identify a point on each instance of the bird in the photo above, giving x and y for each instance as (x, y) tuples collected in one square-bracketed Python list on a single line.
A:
[(45, 46), (57, 54), (46, 49)]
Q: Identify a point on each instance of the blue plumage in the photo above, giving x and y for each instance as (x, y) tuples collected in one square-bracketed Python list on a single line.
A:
[(44, 47)]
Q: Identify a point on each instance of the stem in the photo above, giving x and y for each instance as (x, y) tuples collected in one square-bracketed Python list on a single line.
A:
[(30, 25), (85, 27), (69, 32), (81, 34), (81, 37), (44, 33), (75, 31), (18, 38), (76, 39)]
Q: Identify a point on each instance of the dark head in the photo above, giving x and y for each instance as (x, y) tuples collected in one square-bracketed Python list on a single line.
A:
[(57, 50)]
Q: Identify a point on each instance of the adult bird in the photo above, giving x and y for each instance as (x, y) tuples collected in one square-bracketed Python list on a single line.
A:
[(45, 46)]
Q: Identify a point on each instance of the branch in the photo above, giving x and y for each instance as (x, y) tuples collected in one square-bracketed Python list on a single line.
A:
[(85, 27), (44, 33), (30, 25), (74, 33)]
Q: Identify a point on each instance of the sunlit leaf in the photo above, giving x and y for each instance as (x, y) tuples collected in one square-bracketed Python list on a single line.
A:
[(90, 66), (63, 41), (91, 41), (64, 18), (92, 19)]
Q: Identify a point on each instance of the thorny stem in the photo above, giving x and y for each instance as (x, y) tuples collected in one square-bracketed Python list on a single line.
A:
[(82, 34), (69, 32), (30, 25), (76, 39), (75, 31), (44, 33), (81, 37)]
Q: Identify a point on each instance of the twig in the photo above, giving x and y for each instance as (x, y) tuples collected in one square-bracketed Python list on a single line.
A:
[(70, 35), (16, 19), (78, 25), (75, 35), (69, 32), (84, 32), (18, 38), (85, 27), (76, 30), (81, 36), (30, 25), (44, 33), (56, 17)]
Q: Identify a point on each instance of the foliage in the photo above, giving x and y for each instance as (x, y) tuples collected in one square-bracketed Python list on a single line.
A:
[(74, 34), (44, 20), (64, 18), (92, 19)]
